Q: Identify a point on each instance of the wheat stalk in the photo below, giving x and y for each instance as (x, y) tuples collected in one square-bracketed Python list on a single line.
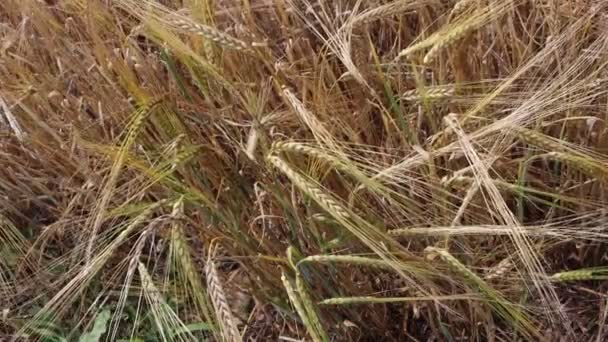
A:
[(133, 129), (223, 312)]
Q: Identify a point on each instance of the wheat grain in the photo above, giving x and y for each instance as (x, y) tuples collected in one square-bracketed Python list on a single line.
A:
[(501, 269)]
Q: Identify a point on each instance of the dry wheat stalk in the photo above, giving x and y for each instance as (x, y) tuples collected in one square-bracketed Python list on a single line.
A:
[(225, 318)]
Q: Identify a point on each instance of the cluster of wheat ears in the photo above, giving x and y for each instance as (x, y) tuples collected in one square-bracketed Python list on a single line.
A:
[(348, 170)]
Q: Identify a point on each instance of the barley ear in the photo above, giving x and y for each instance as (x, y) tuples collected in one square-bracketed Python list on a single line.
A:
[(180, 251), (505, 309), (592, 273), (317, 335), (224, 315)]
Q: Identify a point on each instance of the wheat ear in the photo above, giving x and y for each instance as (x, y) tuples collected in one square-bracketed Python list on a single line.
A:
[(296, 300), (501, 305), (210, 33), (381, 300), (431, 93), (460, 7), (183, 257), (384, 11), (225, 318), (592, 273)]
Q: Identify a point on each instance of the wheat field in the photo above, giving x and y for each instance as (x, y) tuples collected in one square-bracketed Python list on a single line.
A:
[(303, 170)]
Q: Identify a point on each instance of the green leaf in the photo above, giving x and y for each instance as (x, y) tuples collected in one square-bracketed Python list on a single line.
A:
[(192, 328), (99, 328)]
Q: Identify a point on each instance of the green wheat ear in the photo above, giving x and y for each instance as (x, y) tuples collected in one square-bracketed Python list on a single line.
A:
[(505, 309), (592, 273), (182, 254), (303, 306)]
